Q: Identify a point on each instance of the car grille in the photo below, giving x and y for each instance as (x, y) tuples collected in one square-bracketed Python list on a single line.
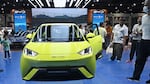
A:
[(63, 73)]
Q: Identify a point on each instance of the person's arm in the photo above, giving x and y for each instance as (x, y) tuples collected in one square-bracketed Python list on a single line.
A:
[(125, 40), (112, 35), (134, 30), (125, 37), (105, 34)]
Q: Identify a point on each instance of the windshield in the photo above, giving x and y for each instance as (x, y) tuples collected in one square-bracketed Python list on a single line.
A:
[(58, 33)]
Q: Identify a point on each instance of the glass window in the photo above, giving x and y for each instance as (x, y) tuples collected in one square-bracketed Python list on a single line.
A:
[(58, 33)]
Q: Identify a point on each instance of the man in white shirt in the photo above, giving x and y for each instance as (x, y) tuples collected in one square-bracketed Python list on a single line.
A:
[(144, 51), (120, 34)]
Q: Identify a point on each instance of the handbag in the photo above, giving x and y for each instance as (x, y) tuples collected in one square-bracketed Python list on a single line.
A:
[(109, 49)]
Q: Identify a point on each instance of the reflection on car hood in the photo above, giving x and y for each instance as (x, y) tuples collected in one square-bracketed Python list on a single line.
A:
[(57, 48)]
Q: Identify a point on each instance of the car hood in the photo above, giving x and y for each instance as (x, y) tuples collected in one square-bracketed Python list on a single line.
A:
[(57, 48)]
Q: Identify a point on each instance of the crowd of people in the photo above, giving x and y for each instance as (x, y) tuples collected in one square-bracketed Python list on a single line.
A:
[(118, 36)]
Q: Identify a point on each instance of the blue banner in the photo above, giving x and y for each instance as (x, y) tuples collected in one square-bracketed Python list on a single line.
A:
[(20, 22), (98, 18)]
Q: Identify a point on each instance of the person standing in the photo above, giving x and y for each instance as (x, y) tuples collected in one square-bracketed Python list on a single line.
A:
[(119, 36), (109, 33), (144, 44), (136, 38), (1, 38), (6, 47)]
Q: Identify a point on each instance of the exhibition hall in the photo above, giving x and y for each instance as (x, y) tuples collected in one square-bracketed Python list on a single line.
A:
[(74, 42)]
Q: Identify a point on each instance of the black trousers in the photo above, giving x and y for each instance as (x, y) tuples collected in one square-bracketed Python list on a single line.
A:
[(141, 58), (6, 54), (117, 51), (134, 48), (107, 40)]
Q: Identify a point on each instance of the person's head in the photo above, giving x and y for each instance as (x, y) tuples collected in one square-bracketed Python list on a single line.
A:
[(146, 7), (101, 24), (80, 26), (139, 20), (121, 21)]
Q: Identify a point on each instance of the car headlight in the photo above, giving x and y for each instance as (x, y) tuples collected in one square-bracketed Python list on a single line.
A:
[(86, 51), (30, 52)]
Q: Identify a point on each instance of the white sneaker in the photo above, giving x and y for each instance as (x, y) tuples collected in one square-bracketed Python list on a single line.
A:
[(9, 57), (118, 61)]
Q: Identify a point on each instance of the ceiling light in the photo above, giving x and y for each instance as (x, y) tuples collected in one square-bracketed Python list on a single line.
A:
[(2, 8), (92, 5), (27, 4), (97, 0), (116, 7), (16, 0), (120, 4), (134, 4)]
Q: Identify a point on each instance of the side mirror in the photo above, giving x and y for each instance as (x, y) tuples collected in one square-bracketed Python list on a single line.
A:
[(90, 35), (29, 36)]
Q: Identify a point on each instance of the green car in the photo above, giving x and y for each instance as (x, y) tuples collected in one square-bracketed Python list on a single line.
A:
[(60, 49)]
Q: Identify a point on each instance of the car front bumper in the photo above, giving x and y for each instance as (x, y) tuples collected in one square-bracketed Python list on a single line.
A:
[(30, 67)]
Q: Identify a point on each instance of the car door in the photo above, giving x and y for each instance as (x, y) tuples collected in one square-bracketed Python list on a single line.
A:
[(96, 41)]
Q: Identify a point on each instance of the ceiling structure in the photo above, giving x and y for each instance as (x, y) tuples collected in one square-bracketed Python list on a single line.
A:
[(113, 6)]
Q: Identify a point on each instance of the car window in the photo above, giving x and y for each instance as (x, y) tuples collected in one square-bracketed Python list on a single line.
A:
[(58, 33), (93, 28)]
